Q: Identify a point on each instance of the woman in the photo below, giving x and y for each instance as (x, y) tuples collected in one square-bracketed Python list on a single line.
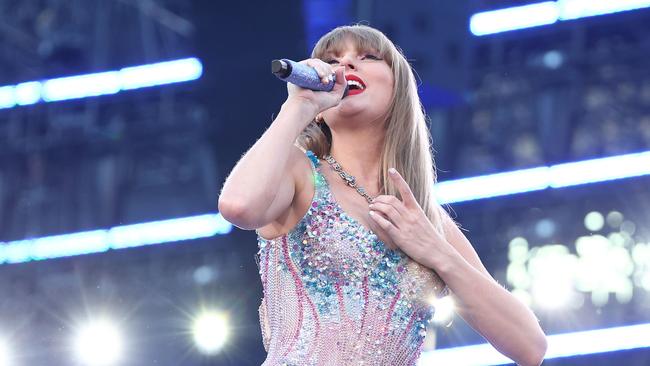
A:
[(349, 265)]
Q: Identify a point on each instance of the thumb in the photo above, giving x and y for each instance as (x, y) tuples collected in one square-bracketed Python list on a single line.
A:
[(340, 76)]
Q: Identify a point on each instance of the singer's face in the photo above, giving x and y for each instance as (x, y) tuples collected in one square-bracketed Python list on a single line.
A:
[(370, 82)]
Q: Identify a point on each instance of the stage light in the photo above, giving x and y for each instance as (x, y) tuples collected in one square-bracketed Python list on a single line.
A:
[(559, 345), (5, 357), (545, 228), (7, 97), (552, 272), (103, 83), (28, 93), (614, 219), (99, 343), (628, 227), (641, 257), (119, 237), (493, 185), (603, 268), (514, 18), (535, 179), (553, 59), (210, 332), (81, 86), (599, 170), (575, 9), (594, 221), (166, 231), (160, 73), (204, 275), (545, 13), (444, 310)]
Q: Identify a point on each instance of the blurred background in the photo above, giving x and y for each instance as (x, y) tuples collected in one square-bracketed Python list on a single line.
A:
[(120, 120)]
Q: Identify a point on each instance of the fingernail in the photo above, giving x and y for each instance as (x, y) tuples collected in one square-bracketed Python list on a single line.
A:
[(371, 213), (392, 171), (371, 206)]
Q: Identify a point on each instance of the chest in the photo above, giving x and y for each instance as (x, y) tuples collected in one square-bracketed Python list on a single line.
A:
[(347, 198)]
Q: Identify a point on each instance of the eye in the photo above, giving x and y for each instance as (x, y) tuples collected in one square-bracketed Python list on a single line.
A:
[(331, 61), (371, 56)]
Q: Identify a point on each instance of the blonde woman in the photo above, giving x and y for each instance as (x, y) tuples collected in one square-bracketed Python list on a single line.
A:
[(352, 242)]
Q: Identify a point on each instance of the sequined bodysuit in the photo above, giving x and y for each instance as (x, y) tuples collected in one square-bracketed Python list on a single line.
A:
[(335, 295)]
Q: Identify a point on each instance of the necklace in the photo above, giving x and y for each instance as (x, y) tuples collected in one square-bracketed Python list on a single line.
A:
[(347, 178)]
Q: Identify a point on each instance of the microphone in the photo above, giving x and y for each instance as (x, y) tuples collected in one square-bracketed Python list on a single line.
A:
[(302, 75)]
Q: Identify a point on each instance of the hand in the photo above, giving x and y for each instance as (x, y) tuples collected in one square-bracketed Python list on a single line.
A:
[(321, 100), (405, 224)]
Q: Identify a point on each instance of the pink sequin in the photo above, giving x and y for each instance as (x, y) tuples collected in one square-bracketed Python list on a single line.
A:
[(334, 294)]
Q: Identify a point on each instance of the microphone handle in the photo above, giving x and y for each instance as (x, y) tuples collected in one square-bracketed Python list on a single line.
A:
[(302, 75)]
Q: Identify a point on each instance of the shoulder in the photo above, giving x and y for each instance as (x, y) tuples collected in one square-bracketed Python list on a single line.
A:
[(300, 165)]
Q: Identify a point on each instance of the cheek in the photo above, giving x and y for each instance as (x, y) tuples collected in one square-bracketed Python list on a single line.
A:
[(388, 81)]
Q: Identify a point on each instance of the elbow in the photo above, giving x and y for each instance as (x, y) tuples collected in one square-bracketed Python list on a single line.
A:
[(235, 212), (535, 356)]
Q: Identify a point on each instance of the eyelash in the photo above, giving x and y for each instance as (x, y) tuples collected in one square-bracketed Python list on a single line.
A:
[(365, 56)]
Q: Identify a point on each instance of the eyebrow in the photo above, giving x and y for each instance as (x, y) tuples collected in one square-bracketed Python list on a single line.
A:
[(332, 53)]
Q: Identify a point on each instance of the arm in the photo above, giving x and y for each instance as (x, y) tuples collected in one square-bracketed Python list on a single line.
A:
[(486, 306), (262, 184), (490, 309)]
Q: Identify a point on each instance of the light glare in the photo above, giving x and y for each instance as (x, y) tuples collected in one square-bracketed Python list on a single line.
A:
[(119, 237), (518, 17), (5, 358), (103, 83), (99, 344), (444, 310), (559, 345), (545, 13), (210, 331)]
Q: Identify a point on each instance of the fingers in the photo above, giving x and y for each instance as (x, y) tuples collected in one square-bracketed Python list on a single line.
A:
[(384, 224), (340, 75), (402, 187), (389, 210), (391, 201), (381, 234), (324, 70)]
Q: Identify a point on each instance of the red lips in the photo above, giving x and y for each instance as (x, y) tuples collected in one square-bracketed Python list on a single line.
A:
[(357, 79)]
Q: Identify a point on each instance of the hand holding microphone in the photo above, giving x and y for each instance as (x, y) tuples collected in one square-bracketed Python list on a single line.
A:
[(312, 80)]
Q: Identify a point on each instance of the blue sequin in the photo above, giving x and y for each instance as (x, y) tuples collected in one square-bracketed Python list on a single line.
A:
[(339, 278)]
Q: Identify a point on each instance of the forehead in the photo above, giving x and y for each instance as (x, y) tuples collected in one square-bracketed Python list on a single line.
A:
[(347, 45), (349, 42)]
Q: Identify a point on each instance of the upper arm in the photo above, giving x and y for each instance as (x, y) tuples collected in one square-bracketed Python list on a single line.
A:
[(286, 192), (251, 213)]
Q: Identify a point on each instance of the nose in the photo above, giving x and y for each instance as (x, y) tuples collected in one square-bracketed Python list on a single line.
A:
[(348, 61)]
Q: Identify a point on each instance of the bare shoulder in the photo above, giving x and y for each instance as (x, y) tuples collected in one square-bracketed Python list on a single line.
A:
[(300, 169)]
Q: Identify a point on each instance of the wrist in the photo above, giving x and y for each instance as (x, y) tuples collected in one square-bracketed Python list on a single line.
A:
[(304, 107), (444, 261)]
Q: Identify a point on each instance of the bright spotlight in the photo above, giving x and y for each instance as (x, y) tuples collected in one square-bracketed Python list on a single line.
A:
[(4, 353), (99, 344), (211, 332), (444, 310)]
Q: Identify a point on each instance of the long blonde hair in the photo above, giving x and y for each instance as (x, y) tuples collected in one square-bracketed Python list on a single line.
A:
[(407, 145)]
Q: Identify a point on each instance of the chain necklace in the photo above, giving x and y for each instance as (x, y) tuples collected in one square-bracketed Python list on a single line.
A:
[(347, 178)]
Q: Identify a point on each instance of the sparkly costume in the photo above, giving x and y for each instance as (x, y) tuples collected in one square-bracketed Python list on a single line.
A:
[(335, 295)]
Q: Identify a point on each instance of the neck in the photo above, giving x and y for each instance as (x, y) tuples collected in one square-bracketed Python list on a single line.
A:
[(359, 153)]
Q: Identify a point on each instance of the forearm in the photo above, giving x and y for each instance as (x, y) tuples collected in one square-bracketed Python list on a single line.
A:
[(492, 311), (255, 179)]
